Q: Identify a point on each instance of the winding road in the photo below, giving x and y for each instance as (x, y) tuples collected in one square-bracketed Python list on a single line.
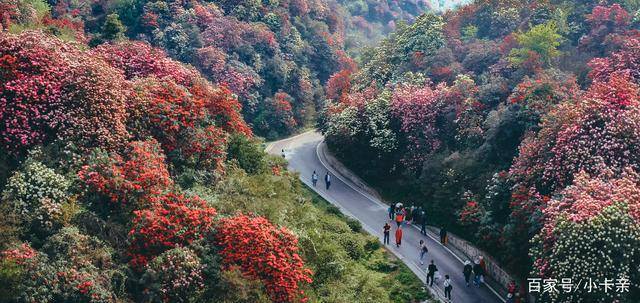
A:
[(304, 156)]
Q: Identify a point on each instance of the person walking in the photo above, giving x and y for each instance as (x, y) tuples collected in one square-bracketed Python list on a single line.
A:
[(392, 211), (398, 237), (423, 250), (423, 222), (399, 217), (327, 180), (431, 273), (314, 178), (282, 153), (466, 271), (447, 287), (443, 235), (478, 274), (387, 229)]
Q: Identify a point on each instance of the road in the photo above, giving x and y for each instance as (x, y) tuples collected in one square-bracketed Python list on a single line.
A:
[(302, 154)]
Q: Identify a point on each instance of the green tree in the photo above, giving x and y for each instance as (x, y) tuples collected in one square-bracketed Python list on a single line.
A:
[(542, 39), (113, 29)]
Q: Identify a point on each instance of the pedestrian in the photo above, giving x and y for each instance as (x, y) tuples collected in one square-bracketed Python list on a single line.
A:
[(447, 287), (478, 273), (314, 178), (398, 237), (466, 271), (423, 223), (482, 263), (283, 156), (423, 250), (443, 235), (392, 211), (415, 215), (399, 217), (410, 213), (327, 180), (387, 229), (511, 287), (431, 272)]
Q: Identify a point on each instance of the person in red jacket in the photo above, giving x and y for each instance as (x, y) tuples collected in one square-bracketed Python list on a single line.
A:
[(398, 237), (399, 217)]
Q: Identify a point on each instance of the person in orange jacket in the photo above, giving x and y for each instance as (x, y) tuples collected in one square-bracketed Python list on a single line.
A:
[(398, 237), (399, 217)]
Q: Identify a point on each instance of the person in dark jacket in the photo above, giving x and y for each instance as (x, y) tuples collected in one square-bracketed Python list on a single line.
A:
[(392, 212), (431, 272), (466, 271), (478, 274), (327, 180), (423, 222), (386, 230), (443, 236)]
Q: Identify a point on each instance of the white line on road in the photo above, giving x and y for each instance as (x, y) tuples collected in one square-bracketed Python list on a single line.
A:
[(366, 195)]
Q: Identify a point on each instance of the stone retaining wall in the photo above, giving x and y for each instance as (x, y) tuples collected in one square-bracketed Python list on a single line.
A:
[(468, 251)]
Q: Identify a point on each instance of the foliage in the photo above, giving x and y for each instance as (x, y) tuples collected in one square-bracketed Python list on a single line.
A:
[(174, 276), (53, 90), (35, 193), (135, 179), (172, 220), (541, 41), (271, 255)]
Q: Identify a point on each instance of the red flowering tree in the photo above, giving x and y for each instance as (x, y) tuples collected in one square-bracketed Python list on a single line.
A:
[(139, 59), (139, 175), (263, 251), (172, 220), (608, 26), (338, 85), (417, 109), (607, 206), (50, 89)]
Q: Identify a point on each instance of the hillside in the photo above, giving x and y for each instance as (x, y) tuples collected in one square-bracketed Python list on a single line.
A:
[(127, 175), (514, 124)]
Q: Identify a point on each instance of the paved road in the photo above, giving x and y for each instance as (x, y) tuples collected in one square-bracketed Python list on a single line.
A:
[(302, 153)]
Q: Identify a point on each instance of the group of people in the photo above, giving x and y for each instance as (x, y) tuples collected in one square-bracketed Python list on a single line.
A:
[(416, 215), (327, 179)]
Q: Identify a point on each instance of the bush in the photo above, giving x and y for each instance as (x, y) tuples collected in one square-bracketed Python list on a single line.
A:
[(35, 193), (248, 154), (173, 276)]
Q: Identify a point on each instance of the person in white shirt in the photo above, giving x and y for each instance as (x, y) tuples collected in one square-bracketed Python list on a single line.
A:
[(447, 287)]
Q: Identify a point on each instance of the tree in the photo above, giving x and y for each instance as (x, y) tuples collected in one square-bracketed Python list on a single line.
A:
[(113, 28), (541, 40), (172, 220), (130, 180), (263, 251)]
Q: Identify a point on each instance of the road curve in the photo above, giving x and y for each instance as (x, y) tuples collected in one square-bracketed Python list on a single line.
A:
[(302, 153)]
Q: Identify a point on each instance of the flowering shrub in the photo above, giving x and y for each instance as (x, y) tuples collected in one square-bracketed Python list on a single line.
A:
[(603, 247), (142, 173), (52, 90), (417, 109), (262, 251), (172, 220), (36, 194), (470, 214), (141, 60), (173, 276)]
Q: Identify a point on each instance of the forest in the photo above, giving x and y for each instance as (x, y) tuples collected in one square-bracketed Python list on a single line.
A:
[(132, 163), (515, 125), (132, 166)]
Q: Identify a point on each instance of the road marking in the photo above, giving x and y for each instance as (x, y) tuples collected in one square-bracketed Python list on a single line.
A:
[(328, 167)]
